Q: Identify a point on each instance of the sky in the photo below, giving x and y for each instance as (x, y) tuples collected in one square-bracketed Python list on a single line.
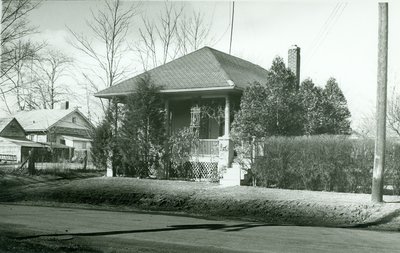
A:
[(337, 39)]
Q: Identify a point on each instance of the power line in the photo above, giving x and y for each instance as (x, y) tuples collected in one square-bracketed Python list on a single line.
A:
[(322, 30), (337, 14), (326, 23), (333, 22)]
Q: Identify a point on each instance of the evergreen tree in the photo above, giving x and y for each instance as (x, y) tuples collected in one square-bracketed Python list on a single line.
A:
[(312, 100), (278, 108), (101, 143), (253, 118), (280, 76), (143, 131), (272, 108), (336, 118)]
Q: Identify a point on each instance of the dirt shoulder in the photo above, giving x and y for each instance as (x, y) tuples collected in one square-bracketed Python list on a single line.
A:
[(275, 206)]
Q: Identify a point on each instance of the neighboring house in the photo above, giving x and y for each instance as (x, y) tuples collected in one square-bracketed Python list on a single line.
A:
[(58, 128), (14, 146), (206, 76)]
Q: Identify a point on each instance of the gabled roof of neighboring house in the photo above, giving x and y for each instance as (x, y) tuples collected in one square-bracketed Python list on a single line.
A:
[(203, 69), (4, 122), (42, 120)]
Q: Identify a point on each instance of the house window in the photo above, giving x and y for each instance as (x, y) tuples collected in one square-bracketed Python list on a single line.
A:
[(73, 119), (62, 141), (195, 117), (84, 145)]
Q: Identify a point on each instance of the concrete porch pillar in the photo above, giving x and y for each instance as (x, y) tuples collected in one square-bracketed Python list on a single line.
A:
[(225, 142), (109, 165), (227, 116), (225, 156)]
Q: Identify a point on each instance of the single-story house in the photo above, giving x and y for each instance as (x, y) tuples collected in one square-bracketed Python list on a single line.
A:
[(59, 128), (204, 76)]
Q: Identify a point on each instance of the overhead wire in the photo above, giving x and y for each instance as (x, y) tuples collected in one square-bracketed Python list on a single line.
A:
[(323, 27), (328, 25), (321, 31)]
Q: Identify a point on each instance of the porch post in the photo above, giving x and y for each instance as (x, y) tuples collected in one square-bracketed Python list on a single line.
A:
[(225, 142), (227, 116), (111, 169)]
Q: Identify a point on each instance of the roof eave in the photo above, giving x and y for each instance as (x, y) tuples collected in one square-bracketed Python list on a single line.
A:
[(170, 91), (35, 130)]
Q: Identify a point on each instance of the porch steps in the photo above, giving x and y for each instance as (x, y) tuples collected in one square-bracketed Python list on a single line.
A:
[(232, 176)]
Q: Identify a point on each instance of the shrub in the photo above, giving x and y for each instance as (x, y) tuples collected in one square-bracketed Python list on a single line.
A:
[(101, 136), (181, 145), (329, 163)]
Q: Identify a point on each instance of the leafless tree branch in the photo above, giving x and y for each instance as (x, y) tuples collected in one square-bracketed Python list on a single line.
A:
[(14, 28), (393, 114), (170, 35), (49, 68), (110, 26)]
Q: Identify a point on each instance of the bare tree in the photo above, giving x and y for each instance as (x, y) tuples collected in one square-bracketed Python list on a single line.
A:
[(170, 35), (109, 26), (34, 83), (14, 28), (47, 86), (393, 113), (193, 33), (17, 81), (158, 38), (365, 127)]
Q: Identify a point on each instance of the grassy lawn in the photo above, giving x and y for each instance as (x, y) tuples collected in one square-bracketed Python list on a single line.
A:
[(207, 199)]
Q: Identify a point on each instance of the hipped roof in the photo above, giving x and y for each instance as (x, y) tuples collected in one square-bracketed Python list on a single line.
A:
[(204, 69)]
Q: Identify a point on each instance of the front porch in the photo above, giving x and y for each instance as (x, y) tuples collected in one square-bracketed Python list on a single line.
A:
[(210, 118)]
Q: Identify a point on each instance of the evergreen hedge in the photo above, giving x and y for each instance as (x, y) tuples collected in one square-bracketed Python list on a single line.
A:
[(329, 163)]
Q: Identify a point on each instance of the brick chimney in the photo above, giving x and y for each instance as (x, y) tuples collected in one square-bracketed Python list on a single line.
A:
[(64, 105), (294, 62)]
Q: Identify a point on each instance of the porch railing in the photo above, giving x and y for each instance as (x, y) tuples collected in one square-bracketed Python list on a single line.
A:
[(206, 147)]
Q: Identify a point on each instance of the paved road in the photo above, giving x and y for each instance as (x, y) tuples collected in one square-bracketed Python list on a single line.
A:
[(148, 232)]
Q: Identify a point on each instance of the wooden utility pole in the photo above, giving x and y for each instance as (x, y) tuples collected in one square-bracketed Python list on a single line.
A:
[(380, 139), (233, 15)]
